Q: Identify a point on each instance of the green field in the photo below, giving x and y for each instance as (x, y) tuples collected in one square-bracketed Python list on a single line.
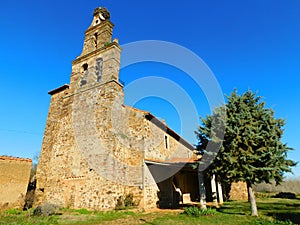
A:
[(271, 210)]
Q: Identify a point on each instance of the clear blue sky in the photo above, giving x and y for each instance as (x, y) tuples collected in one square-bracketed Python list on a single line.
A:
[(247, 44)]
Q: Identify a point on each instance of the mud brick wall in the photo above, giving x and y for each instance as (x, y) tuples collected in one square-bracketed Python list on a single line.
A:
[(14, 178)]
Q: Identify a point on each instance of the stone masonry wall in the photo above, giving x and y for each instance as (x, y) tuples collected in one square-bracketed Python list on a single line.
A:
[(14, 179), (238, 191), (94, 147), (82, 157)]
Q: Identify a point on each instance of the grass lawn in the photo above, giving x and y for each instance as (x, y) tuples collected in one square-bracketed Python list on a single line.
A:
[(271, 211)]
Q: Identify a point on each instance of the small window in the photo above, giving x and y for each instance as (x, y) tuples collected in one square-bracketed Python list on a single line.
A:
[(166, 141)]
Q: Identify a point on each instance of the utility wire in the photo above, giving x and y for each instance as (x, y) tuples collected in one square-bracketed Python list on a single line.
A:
[(20, 131)]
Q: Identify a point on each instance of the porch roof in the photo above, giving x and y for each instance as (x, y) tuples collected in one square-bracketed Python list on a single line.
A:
[(173, 161)]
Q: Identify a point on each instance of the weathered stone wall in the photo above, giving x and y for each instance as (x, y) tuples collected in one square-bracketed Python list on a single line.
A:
[(161, 146), (94, 147), (97, 36), (85, 150), (238, 191), (110, 56), (76, 167), (14, 179), (83, 163)]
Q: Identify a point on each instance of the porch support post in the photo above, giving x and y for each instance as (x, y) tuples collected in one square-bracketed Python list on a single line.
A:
[(202, 190), (220, 193), (214, 190)]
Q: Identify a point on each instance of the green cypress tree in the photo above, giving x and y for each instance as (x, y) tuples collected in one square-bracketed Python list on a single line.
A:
[(252, 150)]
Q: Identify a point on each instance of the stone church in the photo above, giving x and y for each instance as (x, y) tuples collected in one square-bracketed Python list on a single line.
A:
[(97, 150)]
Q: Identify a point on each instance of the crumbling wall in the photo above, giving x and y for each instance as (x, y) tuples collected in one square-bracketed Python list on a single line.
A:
[(14, 179)]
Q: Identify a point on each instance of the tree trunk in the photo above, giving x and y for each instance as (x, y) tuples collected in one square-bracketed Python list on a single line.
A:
[(220, 193), (214, 190), (251, 197), (202, 190)]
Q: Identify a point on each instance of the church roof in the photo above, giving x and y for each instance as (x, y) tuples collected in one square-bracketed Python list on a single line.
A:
[(168, 130), (163, 127), (59, 89)]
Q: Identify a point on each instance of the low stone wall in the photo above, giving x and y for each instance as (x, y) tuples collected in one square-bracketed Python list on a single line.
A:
[(14, 178)]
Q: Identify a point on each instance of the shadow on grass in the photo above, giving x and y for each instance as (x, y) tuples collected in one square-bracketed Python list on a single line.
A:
[(232, 213), (233, 210), (284, 210), (277, 206), (293, 217), (146, 222)]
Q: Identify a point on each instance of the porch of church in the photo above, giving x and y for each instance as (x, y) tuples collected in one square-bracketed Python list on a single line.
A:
[(180, 183)]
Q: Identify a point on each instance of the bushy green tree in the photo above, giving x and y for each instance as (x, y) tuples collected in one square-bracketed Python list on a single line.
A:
[(252, 150)]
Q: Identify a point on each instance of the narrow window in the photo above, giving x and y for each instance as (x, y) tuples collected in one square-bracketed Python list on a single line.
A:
[(85, 73), (166, 141), (99, 63), (96, 39)]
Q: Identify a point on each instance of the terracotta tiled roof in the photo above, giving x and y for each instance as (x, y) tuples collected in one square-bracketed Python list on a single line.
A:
[(14, 158)]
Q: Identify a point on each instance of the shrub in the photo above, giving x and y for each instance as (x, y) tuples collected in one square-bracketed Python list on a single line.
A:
[(45, 210), (192, 211), (127, 202), (208, 212), (106, 44), (195, 211), (288, 195), (262, 195)]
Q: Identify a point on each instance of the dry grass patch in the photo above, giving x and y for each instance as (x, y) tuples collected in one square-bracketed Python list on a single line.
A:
[(286, 186)]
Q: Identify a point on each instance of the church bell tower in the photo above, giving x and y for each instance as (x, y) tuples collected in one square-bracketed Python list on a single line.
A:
[(99, 61), (79, 114)]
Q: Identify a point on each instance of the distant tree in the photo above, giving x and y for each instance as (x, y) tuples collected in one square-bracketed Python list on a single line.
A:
[(252, 149), (34, 166), (29, 198)]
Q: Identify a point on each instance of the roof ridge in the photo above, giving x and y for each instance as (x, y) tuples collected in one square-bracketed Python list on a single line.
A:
[(3, 157)]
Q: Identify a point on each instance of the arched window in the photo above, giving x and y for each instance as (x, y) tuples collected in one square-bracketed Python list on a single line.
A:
[(85, 73), (85, 67)]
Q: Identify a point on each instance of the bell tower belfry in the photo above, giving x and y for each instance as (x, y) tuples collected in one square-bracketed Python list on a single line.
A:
[(99, 61)]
